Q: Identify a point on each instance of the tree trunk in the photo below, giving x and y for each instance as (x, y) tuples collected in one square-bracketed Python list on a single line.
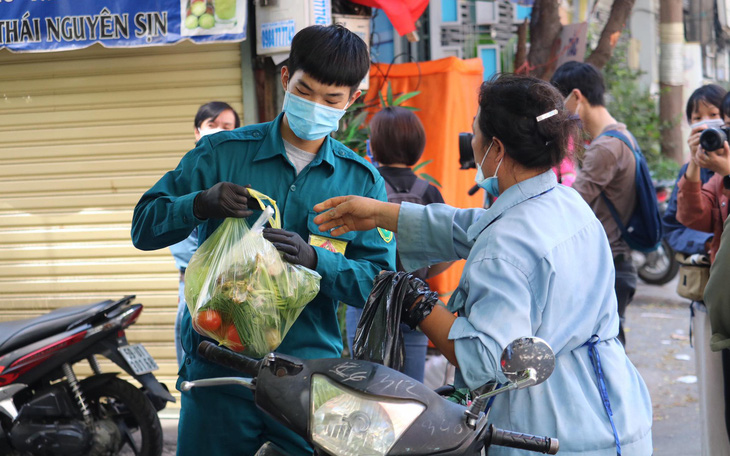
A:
[(521, 54), (545, 27), (671, 67), (266, 78), (620, 11)]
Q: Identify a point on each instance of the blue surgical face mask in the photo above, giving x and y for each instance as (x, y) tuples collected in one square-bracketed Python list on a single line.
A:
[(574, 116), (309, 120), (490, 184)]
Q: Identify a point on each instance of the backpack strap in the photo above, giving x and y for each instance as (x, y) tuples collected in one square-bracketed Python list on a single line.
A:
[(634, 149), (388, 188), (419, 187), (632, 144)]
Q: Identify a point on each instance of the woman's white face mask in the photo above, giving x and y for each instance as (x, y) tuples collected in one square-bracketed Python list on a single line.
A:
[(208, 131)]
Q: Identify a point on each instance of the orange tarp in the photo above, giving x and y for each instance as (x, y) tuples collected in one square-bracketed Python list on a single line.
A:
[(447, 105)]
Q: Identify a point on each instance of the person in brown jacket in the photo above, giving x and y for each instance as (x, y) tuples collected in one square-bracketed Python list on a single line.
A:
[(608, 169), (705, 207)]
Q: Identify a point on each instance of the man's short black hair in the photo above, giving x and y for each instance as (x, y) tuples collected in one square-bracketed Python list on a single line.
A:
[(582, 76), (330, 54)]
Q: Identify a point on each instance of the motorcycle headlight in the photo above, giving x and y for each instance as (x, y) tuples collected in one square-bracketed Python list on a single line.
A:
[(348, 423)]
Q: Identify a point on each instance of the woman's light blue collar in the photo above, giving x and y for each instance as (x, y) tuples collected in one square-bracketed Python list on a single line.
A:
[(513, 196)]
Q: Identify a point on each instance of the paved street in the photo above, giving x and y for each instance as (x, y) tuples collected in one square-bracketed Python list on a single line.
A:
[(658, 344)]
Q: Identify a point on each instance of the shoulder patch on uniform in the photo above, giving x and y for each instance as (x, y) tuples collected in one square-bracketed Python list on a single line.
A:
[(247, 133), (386, 235), (343, 151)]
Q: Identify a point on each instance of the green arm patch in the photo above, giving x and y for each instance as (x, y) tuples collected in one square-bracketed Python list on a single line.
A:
[(386, 235)]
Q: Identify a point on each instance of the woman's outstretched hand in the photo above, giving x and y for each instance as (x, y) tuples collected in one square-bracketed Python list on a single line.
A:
[(355, 213)]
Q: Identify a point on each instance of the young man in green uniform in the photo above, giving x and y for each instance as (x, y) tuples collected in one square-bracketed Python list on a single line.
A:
[(295, 161)]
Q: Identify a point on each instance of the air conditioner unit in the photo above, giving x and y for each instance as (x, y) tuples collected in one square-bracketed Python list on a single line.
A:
[(278, 21)]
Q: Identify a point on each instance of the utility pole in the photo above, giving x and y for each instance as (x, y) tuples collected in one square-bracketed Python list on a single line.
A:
[(671, 76)]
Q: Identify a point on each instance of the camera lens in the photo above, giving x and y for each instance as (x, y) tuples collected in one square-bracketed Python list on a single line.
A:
[(466, 153), (712, 139)]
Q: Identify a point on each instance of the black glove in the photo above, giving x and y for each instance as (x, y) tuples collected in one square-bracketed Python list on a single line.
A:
[(413, 313), (295, 250), (222, 200)]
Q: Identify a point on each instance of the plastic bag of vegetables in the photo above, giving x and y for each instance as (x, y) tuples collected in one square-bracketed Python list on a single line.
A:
[(240, 291)]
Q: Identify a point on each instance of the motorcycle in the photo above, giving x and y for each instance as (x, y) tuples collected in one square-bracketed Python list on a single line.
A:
[(46, 410), (660, 266), (353, 407)]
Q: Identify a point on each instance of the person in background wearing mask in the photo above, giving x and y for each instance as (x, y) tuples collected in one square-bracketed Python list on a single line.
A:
[(293, 160), (211, 118), (704, 108), (703, 206), (608, 168)]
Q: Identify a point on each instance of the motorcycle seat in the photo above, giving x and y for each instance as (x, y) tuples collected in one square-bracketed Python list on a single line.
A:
[(14, 334)]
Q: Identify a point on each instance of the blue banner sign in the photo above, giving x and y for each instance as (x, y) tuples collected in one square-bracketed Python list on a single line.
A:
[(277, 34), (55, 25)]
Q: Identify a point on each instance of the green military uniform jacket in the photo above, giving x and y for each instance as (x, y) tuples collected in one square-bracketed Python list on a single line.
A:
[(255, 155), (717, 297)]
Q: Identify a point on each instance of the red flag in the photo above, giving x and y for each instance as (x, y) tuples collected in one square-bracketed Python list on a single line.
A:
[(403, 14)]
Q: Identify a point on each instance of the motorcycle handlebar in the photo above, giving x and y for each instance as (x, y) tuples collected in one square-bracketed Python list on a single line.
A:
[(527, 442), (227, 358)]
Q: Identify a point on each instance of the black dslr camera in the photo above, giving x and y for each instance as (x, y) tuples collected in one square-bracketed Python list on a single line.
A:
[(714, 137), (466, 153)]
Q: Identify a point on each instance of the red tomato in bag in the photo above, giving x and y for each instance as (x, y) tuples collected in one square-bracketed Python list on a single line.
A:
[(232, 340), (207, 320)]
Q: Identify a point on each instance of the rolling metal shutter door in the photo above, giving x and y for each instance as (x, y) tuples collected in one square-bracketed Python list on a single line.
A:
[(82, 135)]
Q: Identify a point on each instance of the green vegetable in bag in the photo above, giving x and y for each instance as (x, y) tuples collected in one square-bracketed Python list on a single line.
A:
[(240, 291)]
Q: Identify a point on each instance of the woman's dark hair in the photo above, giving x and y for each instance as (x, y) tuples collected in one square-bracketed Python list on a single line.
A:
[(397, 136), (510, 105), (330, 54), (582, 76), (710, 93), (212, 110)]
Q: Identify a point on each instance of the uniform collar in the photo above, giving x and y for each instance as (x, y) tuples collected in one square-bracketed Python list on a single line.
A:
[(513, 196), (273, 145)]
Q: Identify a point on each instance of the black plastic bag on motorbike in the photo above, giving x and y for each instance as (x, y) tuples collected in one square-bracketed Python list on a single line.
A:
[(378, 337)]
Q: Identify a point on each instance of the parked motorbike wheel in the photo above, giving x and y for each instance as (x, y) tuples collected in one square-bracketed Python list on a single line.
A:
[(133, 414), (659, 267)]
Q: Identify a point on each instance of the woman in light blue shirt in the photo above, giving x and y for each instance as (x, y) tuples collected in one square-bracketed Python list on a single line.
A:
[(538, 263)]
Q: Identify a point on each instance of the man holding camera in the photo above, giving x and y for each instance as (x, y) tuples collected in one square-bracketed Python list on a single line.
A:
[(705, 207), (608, 168)]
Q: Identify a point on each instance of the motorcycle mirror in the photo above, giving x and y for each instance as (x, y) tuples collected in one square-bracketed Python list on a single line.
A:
[(528, 358)]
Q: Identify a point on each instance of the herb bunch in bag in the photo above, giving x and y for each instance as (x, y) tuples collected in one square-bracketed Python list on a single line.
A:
[(240, 291)]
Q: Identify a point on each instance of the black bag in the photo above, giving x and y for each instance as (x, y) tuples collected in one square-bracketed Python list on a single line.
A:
[(415, 195), (644, 231), (378, 337)]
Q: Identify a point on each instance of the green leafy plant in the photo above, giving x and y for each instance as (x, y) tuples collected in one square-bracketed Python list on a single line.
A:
[(354, 130), (425, 176), (637, 107)]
